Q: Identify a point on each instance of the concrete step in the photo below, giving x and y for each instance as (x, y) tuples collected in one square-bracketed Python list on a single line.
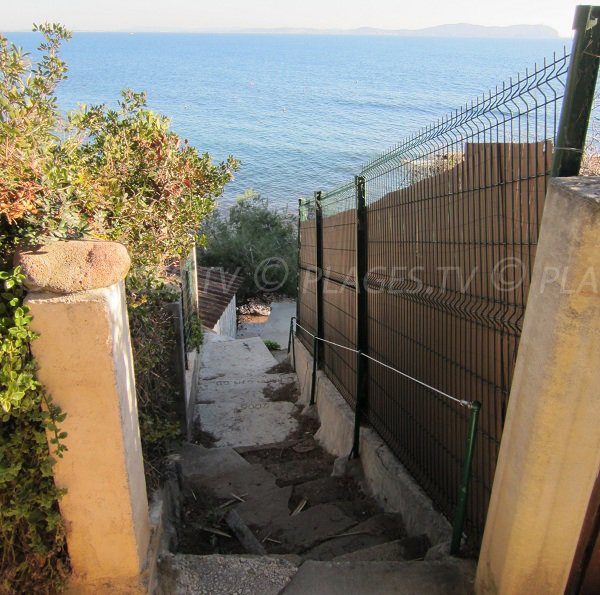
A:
[(379, 529), (381, 578), (248, 389), (183, 574), (245, 423), (199, 463), (299, 471), (238, 358), (212, 337), (314, 525), (265, 502), (408, 548), (277, 327)]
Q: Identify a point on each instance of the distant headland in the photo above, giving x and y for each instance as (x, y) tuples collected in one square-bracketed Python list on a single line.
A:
[(461, 30), (456, 30)]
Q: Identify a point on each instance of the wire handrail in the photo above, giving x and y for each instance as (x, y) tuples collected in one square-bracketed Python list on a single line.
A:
[(462, 402)]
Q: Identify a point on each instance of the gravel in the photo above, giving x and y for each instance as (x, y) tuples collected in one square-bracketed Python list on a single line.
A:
[(225, 575)]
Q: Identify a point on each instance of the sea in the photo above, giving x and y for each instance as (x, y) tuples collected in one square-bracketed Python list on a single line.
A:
[(300, 112)]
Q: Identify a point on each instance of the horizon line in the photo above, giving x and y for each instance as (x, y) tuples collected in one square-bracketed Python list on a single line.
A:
[(363, 31)]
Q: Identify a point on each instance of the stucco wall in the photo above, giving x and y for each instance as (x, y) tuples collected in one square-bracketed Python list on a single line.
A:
[(227, 324)]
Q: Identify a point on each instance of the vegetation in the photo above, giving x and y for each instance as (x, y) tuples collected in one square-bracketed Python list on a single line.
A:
[(32, 537), (119, 174), (272, 345), (255, 241)]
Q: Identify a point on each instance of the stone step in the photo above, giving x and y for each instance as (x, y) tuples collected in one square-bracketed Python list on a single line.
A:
[(381, 578), (183, 574), (379, 529), (408, 548), (308, 528), (238, 358), (264, 503), (212, 337), (249, 389), (242, 423), (277, 327), (299, 471), (199, 463)]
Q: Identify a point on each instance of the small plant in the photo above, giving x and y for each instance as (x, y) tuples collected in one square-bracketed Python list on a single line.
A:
[(272, 345), (195, 334)]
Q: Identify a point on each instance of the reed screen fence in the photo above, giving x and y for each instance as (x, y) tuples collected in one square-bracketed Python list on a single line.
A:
[(451, 229)]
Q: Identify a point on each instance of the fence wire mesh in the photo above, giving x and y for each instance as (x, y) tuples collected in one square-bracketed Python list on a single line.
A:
[(453, 217)]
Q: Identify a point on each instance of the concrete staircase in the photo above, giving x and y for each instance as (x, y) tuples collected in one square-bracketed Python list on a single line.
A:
[(263, 509)]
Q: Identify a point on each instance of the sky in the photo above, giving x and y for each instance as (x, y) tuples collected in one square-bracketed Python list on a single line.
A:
[(207, 15)]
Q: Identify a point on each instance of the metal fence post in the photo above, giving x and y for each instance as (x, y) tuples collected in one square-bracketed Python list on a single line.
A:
[(579, 93), (299, 260), (461, 505), (313, 385), (320, 281), (362, 329)]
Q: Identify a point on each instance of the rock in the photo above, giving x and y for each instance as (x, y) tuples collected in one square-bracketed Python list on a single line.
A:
[(440, 551), (344, 467), (339, 467), (408, 548), (72, 266)]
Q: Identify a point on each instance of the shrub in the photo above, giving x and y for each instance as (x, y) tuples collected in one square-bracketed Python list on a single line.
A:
[(272, 345), (255, 241), (32, 542), (119, 174)]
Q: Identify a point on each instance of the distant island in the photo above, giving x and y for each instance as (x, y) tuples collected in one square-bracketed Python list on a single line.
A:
[(457, 30), (461, 30)]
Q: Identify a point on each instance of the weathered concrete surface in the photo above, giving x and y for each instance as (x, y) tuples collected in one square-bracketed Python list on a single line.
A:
[(241, 358), (409, 548), (85, 363), (376, 530), (265, 502), (199, 463), (224, 575), (550, 452), (386, 478), (68, 267), (312, 526), (233, 401), (379, 578), (277, 327)]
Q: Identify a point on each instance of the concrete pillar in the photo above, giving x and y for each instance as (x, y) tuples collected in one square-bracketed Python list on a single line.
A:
[(550, 452), (85, 364)]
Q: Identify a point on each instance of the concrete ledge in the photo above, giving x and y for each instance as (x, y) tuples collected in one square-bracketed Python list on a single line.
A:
[(190, 388), (387, 479)]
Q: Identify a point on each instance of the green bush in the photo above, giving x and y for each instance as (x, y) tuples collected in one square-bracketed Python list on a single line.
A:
[(33, 556), (118, 174), (271, 345), (255, 241)]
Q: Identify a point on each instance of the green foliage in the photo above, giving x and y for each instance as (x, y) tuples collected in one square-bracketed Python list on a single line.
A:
[(153, 343), (140, 184), (272, 345), (256, 242), (32, 542), (195, 334), (32, 175), (118, 174)]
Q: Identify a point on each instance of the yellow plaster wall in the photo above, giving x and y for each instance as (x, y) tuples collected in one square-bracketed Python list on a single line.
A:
[(85, 363)]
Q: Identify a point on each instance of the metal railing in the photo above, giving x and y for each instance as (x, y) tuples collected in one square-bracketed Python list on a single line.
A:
[(414, 278)]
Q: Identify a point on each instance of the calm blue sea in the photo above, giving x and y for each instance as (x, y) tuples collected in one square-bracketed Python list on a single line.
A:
[(302, 113)]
